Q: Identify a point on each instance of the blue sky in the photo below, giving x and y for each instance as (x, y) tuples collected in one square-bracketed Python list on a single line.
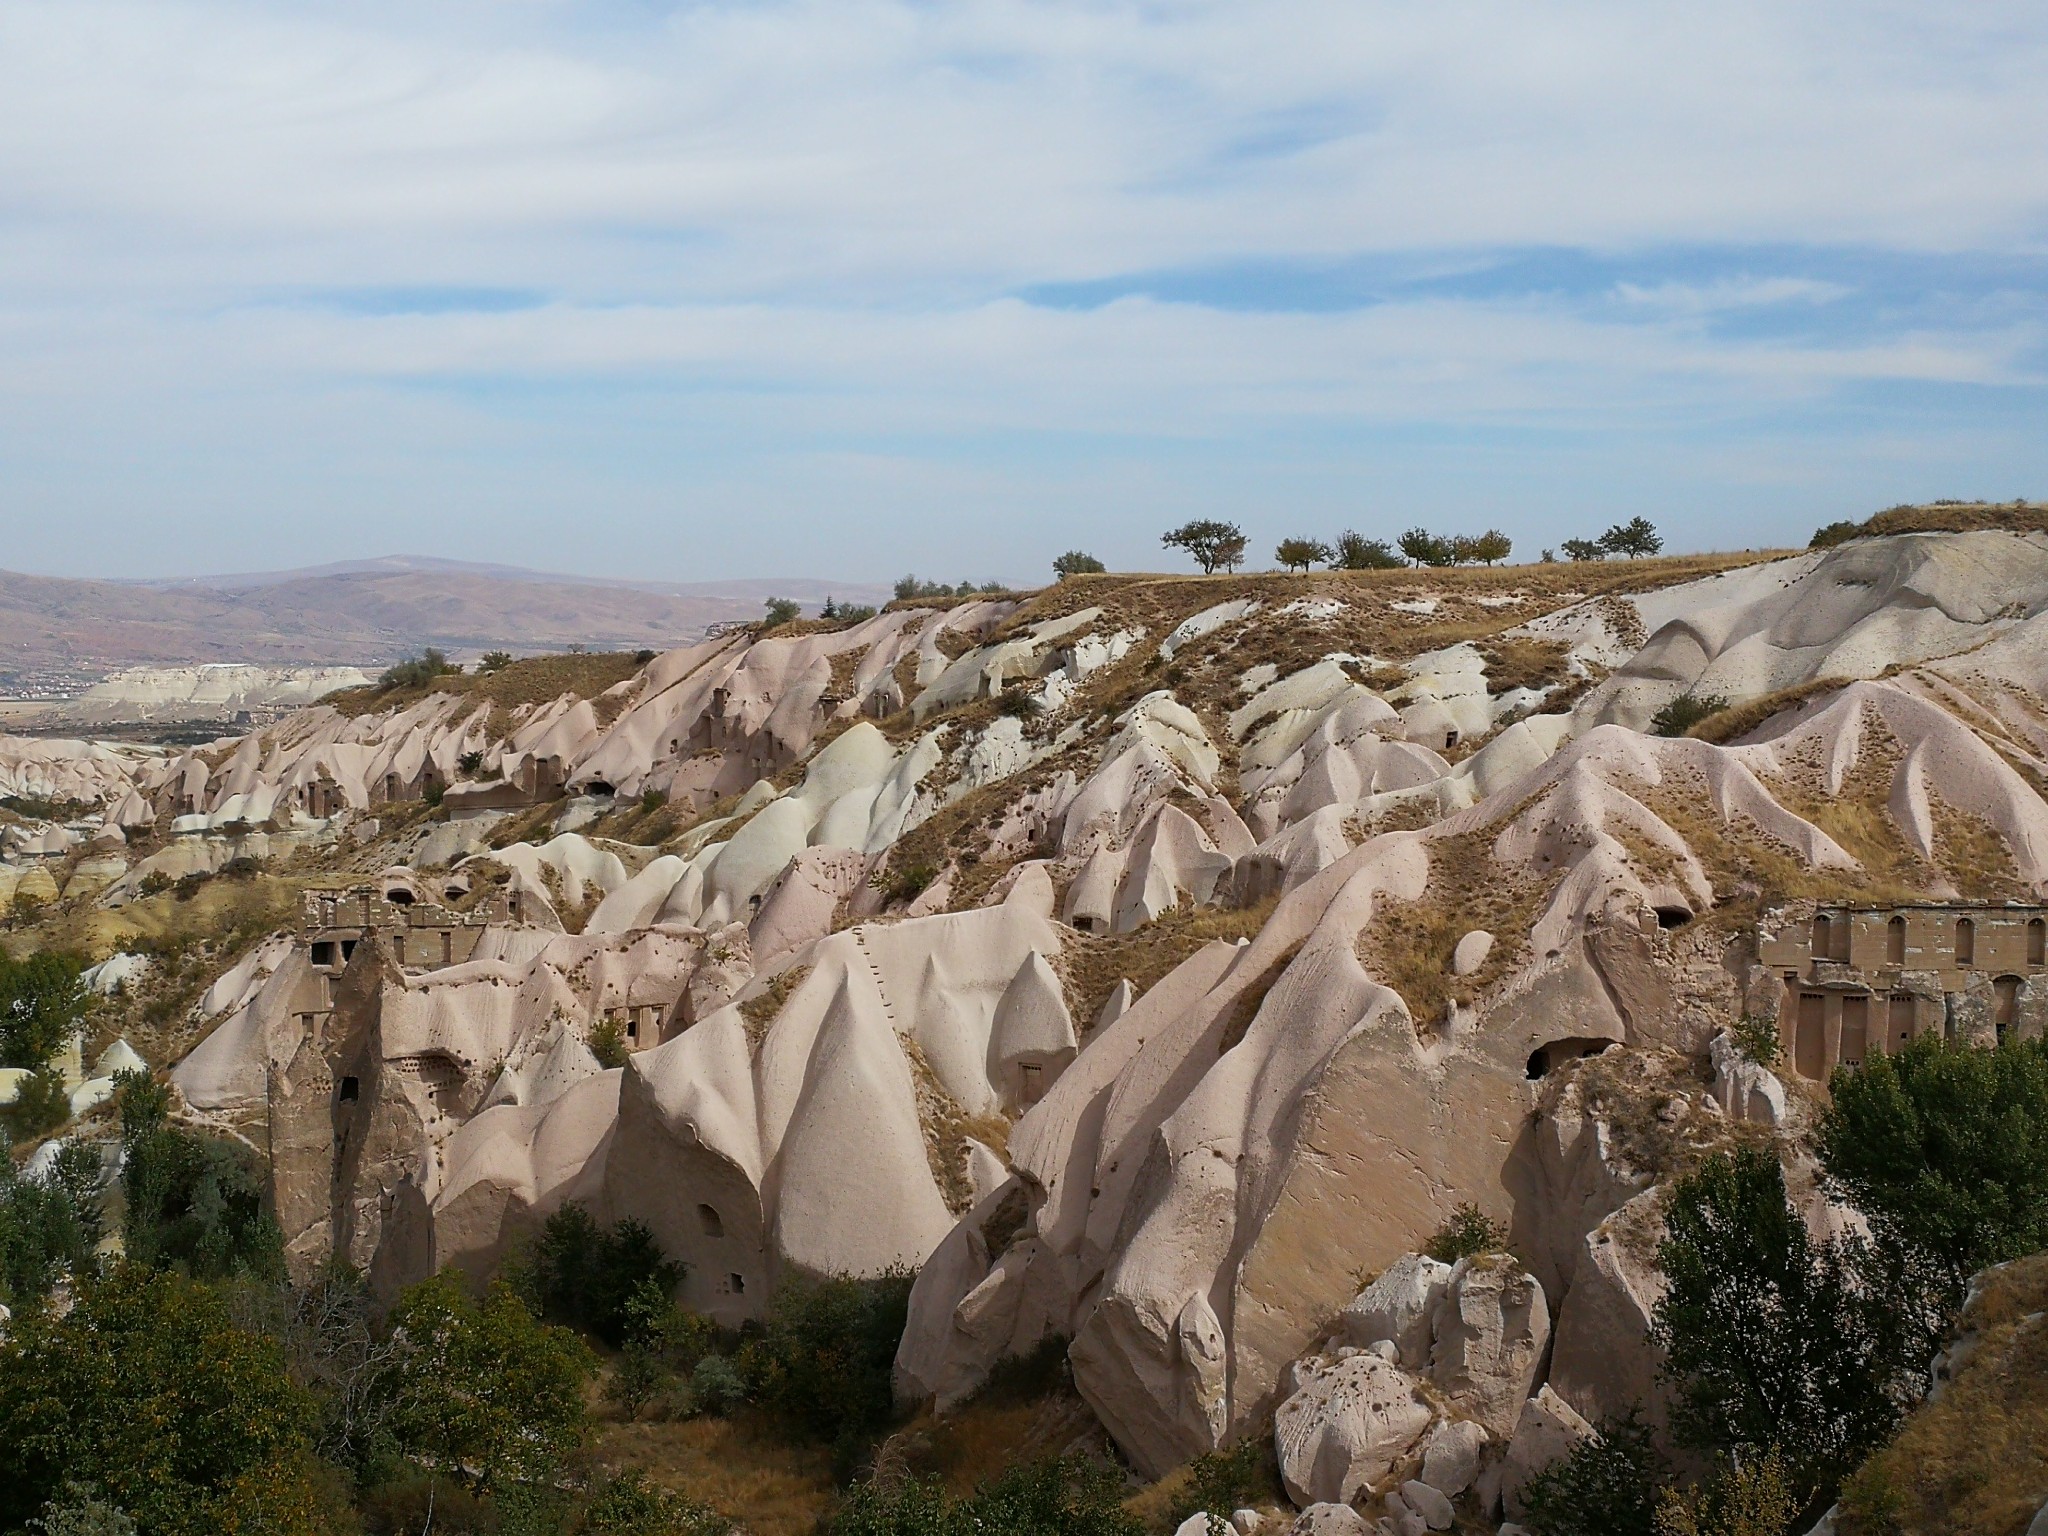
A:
[(848, 289)]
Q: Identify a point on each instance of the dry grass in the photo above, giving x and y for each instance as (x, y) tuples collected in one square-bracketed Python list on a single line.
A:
[(1960, 517), (947, 1129), (759, 1010), (536, 680), (1090, 965), (1517, 661), (1976, 1462), (1408, 944), (744, 1467), (1738, 720)]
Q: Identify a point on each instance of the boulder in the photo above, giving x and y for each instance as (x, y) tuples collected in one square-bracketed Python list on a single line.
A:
[(1546, 1431), (1398, 1307), (1490, 1328), (1329, 1520), (1429, 1503), (1345, 1426), (1450, 1456), (1471, 952), (1744, 1089)]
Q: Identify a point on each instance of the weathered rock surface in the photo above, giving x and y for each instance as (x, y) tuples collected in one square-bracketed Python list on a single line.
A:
[(1345, 1426)]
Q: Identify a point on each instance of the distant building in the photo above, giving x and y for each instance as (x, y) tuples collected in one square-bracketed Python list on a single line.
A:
[(1859, 979)]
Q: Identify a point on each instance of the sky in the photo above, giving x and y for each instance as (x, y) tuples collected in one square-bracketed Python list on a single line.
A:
[(860, 288)]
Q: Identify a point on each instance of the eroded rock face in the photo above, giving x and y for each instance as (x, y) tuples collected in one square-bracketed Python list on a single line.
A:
[(1400, 1308), (1545, 1431), (1345, 1426), (1451, 1456), (1329, 1520), (1490, 1330)]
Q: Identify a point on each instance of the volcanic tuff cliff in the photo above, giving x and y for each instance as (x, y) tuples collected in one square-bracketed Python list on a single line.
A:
[(1148, 959)]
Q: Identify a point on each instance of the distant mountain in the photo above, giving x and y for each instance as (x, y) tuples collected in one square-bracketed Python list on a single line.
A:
[(361, 613)]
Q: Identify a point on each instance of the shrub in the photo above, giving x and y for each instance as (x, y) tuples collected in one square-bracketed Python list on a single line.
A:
[(582, 1274), (1945, 1149), (1685, 712), (416, 671), (1300, 554), (644, 655), (494, 661), (147, 1386), (1019, 705), (781, 611), (718, 1386), (41, 1104), (1076, 563), (1059, 1496), (847, 613), (1834, 533), (1220, 1482), (1752, 1497), (905, 884), (1756, 1039), (823, 1358), (1355, 552), (629, 1505), (79, 1511), (1606, 1486), (1213, 543), (608, 1043), (1469, 1233), (42, 1005)]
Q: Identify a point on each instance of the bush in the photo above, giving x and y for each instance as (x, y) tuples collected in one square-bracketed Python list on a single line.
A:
[(1606, 1486), (1685, 712), (718, 1386), (628, 1505), (781, 611), (1752, 1497), (1757, 1040), (608, 1044), (1019, 705), (1220, 1482), (1834, 533), (416, 671), (1945, 1149), (41, 1104), (42, 1005), (1583, 549), (905, 884), (847, 613), (1469, 1233), (1076, 563), (494, 661), (584, 1275), (823, 1358), (1355, 552), (146, 1386), (1061, 1496)]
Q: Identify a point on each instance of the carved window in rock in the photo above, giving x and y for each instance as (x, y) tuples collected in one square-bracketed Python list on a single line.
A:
[(709, 1219), (2037, 942), (1855, 1029), (1895, 942), (1966, 942), (1899, 1021), (2005, 999), (1823, 935), (1809, 1037)]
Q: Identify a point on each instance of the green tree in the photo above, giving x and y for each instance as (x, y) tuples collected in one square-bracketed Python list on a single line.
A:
[(629, 1505), (1300, 554), (1059, 1496), (823, 1359), (1468, 1233), (1076, 563), (1583, 549), (494, 661), (1213, 543), (417, 671), (147, 1388), (1606, 1486), (1685, 712), (1637, 536), (1751, 1496), (482, 1391), (1355, 552), (1492, 547), (582, 1274), (48, 1226), (781, 611), (41, 1104), (1770, 1338), (1945, 1149), (42, 1004), (195, 1201), (1425, 548)]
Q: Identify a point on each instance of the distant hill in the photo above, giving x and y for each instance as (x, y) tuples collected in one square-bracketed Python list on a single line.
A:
[(362, 613)]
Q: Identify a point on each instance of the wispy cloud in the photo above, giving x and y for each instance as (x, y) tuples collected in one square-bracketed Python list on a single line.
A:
[(722, 280)]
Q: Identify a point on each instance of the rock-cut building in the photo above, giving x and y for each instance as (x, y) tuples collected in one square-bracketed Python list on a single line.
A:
[(1862, 979)]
